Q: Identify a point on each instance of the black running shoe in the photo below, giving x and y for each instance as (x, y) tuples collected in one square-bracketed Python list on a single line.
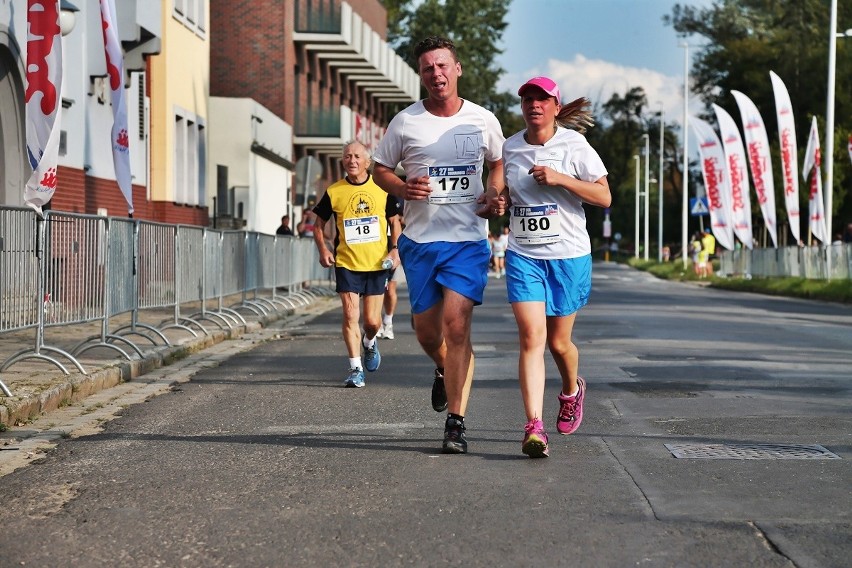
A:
[(454, 440), (439, 393)]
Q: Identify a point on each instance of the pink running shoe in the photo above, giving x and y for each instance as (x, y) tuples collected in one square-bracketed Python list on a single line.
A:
[(571, 410), (535, 440)]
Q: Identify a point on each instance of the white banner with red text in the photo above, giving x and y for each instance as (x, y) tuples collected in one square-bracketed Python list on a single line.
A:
[(42, 98), (735, 161), (120, 141), (789, 153), (816, 206), (759, 161), (715, 181)]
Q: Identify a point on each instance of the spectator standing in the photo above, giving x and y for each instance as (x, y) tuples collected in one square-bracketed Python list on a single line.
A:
[(306, 226), (284, 229), (708, 244), (501, 243), (694, 250)]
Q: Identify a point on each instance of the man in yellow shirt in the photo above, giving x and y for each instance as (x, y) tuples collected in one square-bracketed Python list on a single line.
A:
[(708, 245), (363, 214)]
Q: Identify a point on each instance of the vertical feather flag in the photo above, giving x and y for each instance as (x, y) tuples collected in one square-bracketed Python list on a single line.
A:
[(759, 161), (850, 146), (735, 160), (816, 205), (42, 98), (789, 153), (716, 183), (115, 70)]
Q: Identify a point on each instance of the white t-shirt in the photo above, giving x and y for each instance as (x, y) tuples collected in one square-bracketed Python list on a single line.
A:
[(501, 243), (548, 222), (451, 151)]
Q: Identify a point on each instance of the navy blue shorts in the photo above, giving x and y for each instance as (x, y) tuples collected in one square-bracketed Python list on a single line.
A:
[(372, 283)]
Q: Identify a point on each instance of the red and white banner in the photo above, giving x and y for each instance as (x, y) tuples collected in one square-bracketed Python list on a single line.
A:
[(715, 181), (43, 97), (816, 204), (735, 160), (115, 70), (789, 153), (759, 161), (850, 146)]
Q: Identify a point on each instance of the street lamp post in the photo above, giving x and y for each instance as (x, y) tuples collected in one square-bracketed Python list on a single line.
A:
[(647, 138), (829, 123), (660, 181), (685, 205), (636, 239)]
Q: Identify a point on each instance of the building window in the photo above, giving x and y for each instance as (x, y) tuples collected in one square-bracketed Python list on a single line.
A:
[(190, 159), (191, 13)]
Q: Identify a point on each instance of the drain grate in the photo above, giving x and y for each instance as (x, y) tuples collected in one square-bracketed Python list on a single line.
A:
[(732, 451)]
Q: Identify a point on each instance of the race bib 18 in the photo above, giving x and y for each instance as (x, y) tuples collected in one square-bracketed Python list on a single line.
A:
[(360, 230)]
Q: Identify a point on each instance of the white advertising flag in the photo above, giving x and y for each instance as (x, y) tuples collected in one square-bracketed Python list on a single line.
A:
[(42, 98), (850, 146), (115, 70), (789, 153), (735, 160), (759, 161), (715, 181), (815, 202)]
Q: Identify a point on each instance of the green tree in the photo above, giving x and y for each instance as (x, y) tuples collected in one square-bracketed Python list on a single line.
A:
[(476, 27), (745, 39)]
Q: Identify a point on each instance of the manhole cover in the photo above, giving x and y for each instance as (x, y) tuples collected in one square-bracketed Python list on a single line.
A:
[(731, 451)]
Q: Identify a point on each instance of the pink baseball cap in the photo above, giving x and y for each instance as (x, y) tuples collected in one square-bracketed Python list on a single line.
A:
[(545, 84)]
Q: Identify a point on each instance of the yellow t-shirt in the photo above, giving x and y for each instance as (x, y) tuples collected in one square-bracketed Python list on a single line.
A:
[(708, 243), (361, 213)]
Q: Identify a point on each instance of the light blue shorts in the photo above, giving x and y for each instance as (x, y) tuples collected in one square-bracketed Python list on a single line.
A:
[(431, 267), (563, 285)]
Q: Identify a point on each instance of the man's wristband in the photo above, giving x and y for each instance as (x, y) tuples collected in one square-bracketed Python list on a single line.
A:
[(394, 247)]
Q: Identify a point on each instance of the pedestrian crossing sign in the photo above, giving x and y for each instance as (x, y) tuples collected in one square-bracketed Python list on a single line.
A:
[(698, 206)]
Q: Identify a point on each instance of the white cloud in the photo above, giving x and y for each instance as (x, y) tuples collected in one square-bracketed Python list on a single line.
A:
[(598, 80)]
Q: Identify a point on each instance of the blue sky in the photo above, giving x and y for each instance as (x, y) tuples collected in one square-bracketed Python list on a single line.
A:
[(595, 48)]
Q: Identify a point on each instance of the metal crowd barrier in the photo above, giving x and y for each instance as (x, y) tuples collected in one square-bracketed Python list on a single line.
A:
[(21, 307), (90, 260), (815, 262), (70, 269)]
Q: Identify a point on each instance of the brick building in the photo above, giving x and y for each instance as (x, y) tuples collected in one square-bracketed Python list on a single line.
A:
[(322, 66)]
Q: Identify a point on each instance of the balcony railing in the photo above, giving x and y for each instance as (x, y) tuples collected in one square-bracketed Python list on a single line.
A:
[(318, 16), (317, 122)]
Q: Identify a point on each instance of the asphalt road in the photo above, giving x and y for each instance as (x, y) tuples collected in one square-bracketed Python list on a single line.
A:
[(265, 460)]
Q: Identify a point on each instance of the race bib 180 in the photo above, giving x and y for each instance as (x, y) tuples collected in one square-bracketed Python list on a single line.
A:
[(536, 224)]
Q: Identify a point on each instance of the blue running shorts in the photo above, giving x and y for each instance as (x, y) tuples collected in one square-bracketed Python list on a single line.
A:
[(430, 267), (373, 283), (563, 284)]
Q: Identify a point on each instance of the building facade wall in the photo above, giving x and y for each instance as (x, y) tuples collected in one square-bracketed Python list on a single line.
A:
[(179, 93), (256, 147), (14, 169), (248, 40)]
